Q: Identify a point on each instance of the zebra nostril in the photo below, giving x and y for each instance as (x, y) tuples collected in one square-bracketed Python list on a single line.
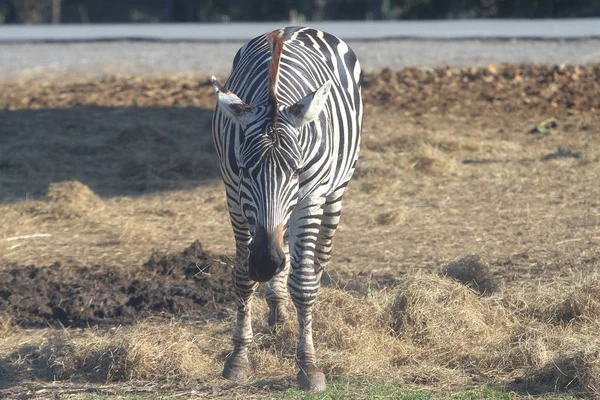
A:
[(265, 261)]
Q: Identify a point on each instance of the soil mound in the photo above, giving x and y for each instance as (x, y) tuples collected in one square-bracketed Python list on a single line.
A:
[(470, 271), (168, 285), (191, 262)]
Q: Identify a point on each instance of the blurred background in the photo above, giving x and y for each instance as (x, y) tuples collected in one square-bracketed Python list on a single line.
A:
[(127, 11)]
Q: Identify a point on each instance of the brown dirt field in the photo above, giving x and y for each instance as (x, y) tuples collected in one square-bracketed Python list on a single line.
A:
[(104, 185), (80, 296)]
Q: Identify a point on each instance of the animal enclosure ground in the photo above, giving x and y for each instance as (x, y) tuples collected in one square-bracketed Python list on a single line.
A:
[(104, 187)]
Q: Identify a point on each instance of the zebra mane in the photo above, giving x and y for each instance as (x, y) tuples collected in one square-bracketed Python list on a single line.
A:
[(275, 40)]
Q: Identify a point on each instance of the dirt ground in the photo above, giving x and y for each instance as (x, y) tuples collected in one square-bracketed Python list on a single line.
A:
[(81, 296), (107, 189)]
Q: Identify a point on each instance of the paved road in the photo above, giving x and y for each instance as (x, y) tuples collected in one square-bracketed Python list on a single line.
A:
[(358, 30), (73, 60)]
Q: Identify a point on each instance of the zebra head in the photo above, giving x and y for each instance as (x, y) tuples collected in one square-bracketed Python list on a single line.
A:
[(270, 159)]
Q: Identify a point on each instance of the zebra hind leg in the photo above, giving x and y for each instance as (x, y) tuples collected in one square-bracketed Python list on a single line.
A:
[(277, 296), (237, 366)]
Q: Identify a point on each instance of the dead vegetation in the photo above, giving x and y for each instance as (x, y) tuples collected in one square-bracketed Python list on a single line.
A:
[(428, 329), (146, 351), (498, 163), (557, 304), (69, 200)]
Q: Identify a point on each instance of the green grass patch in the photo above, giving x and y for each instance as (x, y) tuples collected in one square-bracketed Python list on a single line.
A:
[(357, 389), (374, 389)]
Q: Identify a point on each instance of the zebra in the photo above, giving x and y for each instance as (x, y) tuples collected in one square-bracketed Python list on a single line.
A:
[(286, 129)]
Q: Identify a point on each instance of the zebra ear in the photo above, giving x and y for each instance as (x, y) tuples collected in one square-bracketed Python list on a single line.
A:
[(232, 105), (309, 108)]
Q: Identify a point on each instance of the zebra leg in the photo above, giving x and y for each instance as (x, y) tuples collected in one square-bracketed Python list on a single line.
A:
[(237, 365), (277, 295), (303, 285), (332, 210)]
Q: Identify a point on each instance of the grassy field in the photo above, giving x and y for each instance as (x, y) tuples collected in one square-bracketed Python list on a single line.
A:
[(466, 265)]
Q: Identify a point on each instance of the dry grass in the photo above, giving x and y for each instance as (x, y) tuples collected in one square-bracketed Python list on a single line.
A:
[(452, 325), (575, 366), (153, 167), (69, 200), (111, 171), (146, 351), (426, 330), (557, 304)]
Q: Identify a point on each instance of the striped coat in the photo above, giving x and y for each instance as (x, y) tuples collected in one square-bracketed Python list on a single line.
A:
[(287, 132)]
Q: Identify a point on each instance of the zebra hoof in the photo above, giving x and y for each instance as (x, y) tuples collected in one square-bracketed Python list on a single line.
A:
[(312, 381), (236, 372)]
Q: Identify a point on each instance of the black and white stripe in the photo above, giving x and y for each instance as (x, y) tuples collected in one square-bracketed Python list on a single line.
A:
[(288, 138)]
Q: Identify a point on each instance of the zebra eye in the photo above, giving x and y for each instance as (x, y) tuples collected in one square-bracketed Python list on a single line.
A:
[(296, 174)]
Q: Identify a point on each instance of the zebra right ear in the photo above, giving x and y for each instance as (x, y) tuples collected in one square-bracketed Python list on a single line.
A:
[(232, 105)]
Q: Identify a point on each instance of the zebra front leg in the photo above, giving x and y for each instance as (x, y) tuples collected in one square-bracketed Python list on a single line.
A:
[(277, 295), (237, 365), (303, 287), (332, 210), (303, 284)]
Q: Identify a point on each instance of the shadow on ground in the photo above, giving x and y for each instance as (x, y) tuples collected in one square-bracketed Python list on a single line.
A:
[(113, 150)]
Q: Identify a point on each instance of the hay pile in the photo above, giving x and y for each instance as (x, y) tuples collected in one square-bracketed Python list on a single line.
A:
[(72, 199), (557, 304), (449, 322), (146, 351), (426, 330)]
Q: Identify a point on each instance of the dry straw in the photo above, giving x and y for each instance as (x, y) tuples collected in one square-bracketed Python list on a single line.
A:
[(146, 351), (428, 329), (557, 304), (69, 200)]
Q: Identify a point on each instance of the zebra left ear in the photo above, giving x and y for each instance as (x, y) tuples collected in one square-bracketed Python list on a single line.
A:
[(232, 105), (309, 108)]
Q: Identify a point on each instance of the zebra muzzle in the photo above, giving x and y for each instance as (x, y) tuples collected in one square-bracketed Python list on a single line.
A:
[(267, 257)]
